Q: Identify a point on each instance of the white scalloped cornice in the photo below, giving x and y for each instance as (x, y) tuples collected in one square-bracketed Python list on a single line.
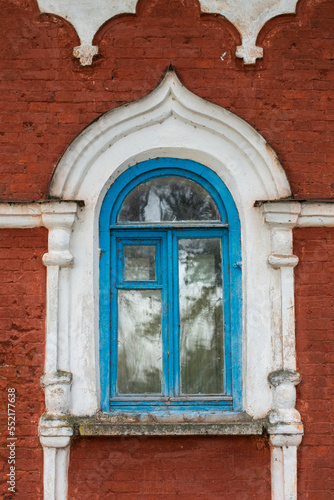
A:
[(249, 17), (87, 16)]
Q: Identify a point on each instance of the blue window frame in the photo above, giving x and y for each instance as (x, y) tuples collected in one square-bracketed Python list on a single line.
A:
[(170, 291)]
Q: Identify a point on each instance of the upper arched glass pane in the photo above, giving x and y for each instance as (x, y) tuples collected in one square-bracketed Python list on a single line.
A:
[(171, 198)]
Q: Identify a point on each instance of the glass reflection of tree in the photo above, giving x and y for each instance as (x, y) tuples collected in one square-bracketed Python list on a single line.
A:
[(201, 315), (168, 199), (140, 348)]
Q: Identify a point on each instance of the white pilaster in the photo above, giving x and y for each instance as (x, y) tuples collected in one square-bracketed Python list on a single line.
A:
[(284, 421), (55, 437), (54, 430), (57, 378), (282, 219), (284, 466)]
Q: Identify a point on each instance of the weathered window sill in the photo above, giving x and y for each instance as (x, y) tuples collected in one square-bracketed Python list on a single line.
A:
[(152, 425)]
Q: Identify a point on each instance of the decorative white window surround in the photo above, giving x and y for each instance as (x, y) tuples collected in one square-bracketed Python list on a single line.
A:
[(170, 121), (56, 430), (247, 17)]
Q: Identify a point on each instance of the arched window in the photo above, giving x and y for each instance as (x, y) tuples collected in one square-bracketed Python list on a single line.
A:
[(170, 291)]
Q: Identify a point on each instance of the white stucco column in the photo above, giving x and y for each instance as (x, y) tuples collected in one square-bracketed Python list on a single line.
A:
[(284, 466), (285, 426), (54, 429), (55, 438)]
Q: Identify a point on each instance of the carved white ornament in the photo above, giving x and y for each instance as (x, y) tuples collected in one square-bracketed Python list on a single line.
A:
[(87, 16), (248, 18)]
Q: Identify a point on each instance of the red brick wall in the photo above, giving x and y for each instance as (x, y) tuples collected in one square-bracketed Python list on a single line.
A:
[(22, 325), (210, 468), (46, 98), (315, 360)]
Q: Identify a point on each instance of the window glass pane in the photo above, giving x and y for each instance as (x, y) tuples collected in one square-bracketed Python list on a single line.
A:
[(139, 262), (168, 199), (201, 316), (139, 341)]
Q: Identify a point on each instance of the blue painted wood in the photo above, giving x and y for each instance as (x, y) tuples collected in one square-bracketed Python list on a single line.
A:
[(105, 308), (113, 318), (150, 169), (121, 241), (165, 236), (175, 340), (227, 316), (170, 308)]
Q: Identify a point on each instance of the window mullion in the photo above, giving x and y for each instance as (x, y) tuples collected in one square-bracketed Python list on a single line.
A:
[(175, 313), (164, 270), (170, 308)]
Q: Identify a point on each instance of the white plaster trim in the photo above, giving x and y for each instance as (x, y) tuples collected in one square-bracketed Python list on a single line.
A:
[(281, 218), (57, 377), (300, 213), (316, 214), (284, 422), (173, 105), (248, 18), (286, 430), (55, 437), (278, 261), (87, 16), (21, 215), (284, 467)]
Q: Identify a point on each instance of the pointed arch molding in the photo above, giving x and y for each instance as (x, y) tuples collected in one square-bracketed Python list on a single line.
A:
[(248, 18), (170, 121)]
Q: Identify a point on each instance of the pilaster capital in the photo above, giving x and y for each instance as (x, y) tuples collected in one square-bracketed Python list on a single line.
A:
[(280, 440), (59, 219), (54, 432), (277, 261), (59, 215), (280, 377), (281, 215), (55, 378), (57, 387), (284, 419), (61, 259), (55, 441)]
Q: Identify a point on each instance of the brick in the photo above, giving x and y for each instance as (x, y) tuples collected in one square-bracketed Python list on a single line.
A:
[(46, 99)]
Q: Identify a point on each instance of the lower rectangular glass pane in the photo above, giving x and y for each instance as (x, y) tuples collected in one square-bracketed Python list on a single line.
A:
[(139, 342), (201, 316)]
